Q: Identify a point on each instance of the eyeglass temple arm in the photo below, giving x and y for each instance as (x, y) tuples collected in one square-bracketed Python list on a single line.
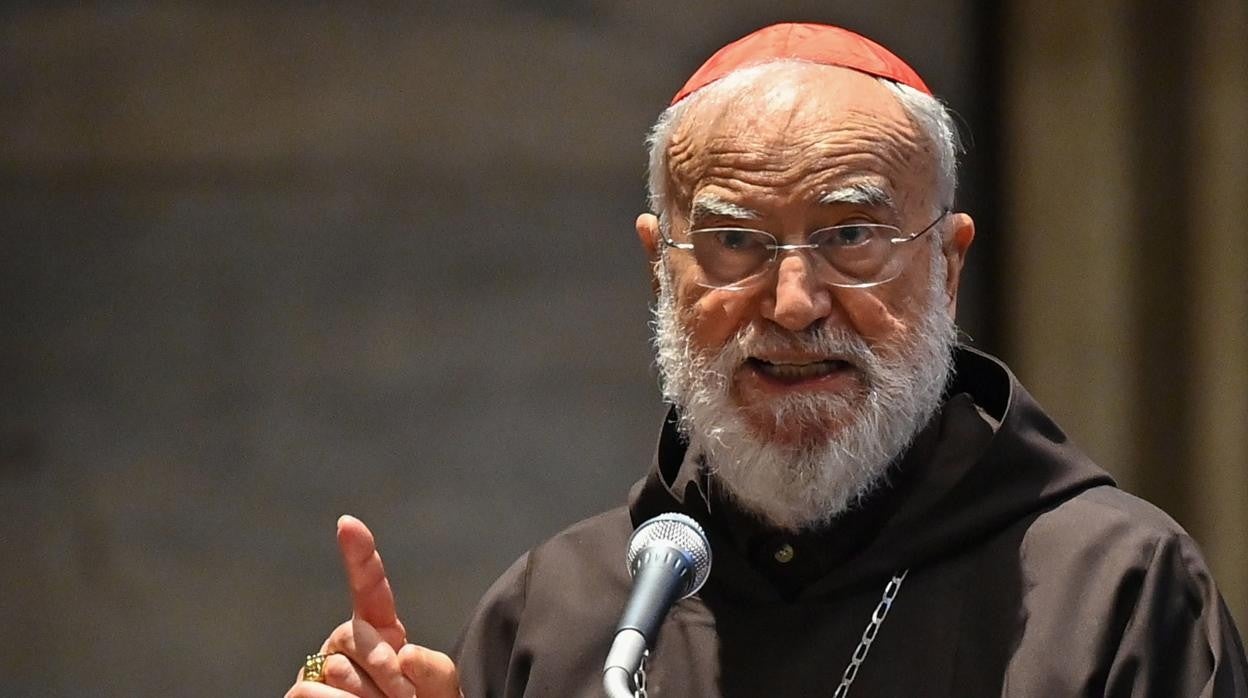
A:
[(943, 212), (672, 243)]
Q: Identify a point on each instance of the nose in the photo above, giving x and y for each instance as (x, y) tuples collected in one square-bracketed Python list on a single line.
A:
[(800, 299)]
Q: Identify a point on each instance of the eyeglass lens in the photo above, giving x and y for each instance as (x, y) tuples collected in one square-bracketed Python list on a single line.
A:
[(854, 254)]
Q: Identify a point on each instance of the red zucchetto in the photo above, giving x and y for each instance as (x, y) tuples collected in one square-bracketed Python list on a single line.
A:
[(816, 43)]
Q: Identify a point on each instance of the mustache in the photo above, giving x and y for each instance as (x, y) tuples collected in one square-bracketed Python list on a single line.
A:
[(821, 342)]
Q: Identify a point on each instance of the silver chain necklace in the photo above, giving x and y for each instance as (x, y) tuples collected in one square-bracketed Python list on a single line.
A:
[(860, 653), (868, 635), (639, 679)]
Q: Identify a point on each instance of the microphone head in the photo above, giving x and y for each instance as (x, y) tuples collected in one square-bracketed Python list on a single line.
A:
[(681, 533)]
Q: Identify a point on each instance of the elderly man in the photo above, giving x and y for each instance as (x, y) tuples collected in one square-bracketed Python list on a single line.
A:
[(890, 514)]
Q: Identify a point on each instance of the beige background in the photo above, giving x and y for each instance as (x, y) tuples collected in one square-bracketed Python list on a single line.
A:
[(263, 265)]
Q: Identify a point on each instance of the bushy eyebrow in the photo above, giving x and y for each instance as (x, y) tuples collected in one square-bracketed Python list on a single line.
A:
[(709, 205), (860, 194)]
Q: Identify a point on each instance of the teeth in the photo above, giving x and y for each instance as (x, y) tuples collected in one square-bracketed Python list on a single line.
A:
[(798, 371)]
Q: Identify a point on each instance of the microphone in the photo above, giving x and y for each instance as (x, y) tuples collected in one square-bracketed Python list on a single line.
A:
[(669, 559)]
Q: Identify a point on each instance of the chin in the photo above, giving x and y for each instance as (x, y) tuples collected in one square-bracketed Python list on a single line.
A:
[(774, 426), (799, 419)]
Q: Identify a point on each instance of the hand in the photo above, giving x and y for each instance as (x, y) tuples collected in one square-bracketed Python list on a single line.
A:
[(368, 656)]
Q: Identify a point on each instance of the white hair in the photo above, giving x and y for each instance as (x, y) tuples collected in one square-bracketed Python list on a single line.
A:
[(932, 117)]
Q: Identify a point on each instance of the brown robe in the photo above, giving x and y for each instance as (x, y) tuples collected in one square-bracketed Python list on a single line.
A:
[(1030, 574)]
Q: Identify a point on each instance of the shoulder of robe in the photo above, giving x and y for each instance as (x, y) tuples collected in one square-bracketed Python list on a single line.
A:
[(589, 553), (1106, 528), (583, 544), (1107, 506), (1117, 596)]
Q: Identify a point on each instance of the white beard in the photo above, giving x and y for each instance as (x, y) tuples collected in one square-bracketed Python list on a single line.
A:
[(809, 483)]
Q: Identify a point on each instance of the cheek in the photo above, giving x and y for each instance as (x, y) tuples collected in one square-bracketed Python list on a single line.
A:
[(869, 315), (716, 316), (882, 315)]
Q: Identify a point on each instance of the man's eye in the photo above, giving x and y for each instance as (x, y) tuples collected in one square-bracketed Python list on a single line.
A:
[(735, 239), (849, 235)]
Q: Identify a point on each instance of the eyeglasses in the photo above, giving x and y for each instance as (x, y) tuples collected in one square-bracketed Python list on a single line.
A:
[(857, 255)]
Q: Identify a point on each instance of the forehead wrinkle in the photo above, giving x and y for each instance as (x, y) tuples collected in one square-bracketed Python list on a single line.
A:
[(797, 145), (788, 161), (897, 140), (681, 158), (808, 181)]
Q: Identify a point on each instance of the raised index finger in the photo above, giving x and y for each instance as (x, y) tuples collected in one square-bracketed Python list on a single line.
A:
[(371, 598)]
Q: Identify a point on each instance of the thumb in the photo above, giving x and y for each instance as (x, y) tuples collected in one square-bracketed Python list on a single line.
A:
[(432, 673)]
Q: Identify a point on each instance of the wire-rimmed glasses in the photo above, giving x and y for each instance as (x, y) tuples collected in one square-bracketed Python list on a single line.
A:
[(857, 255)]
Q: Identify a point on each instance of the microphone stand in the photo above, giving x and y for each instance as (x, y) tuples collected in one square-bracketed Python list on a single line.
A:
[(623, 661)]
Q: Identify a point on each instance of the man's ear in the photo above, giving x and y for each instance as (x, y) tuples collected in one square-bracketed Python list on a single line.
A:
[(956, 242), (648, 234)]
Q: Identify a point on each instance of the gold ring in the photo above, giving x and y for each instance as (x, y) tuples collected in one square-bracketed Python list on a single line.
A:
[(314, 668)]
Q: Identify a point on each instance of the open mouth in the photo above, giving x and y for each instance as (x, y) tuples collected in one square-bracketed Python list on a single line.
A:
[(798, 372)]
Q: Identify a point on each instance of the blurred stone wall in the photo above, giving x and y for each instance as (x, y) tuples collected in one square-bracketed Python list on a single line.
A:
[(262, 264)]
